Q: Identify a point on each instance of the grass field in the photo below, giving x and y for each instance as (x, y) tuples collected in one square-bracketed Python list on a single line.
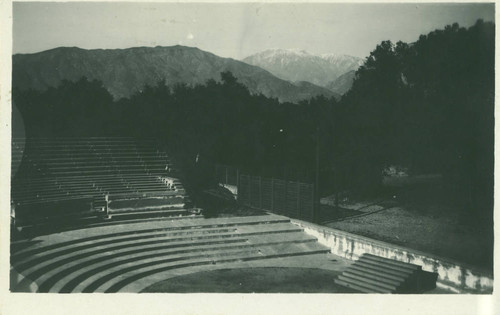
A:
[(419, 219), (253, 280)]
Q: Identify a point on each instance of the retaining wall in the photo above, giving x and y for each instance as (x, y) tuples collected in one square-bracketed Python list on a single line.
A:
[(451, 274)]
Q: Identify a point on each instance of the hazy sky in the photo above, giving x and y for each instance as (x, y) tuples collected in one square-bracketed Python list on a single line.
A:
[(233, 30)]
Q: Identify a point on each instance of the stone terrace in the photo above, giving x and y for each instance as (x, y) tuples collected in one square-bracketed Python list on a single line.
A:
[(130, 257)]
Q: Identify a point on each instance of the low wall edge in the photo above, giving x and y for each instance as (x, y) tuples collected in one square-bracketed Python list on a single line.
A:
[(466, 279)]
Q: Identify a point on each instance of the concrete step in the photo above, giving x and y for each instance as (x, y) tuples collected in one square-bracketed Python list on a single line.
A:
[(49, 267), (165, 210), (352, 278), (148, 238), (108, 254), (66, 279), (121, 241), (361, 287), (384, 268), (34, 272), (101, 232), (94, 215), (375, 277), (93, 222), (144, 203), (125, 277), (44, 262), (121, 220), (296, 260), (377, 274), (40, 275)]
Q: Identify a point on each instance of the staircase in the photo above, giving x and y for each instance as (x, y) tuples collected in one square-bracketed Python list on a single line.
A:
[(374, 274)]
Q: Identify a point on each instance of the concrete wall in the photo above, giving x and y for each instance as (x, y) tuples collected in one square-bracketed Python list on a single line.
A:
[(451, 274)]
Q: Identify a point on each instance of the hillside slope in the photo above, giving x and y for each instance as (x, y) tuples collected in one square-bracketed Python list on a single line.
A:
[(125, 71), (343, 83)]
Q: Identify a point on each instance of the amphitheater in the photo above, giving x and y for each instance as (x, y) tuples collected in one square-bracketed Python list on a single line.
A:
[(111, 215)]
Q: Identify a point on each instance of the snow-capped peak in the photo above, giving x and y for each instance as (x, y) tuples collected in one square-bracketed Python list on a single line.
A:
[(280, 52), (299, 65), (340, 57)]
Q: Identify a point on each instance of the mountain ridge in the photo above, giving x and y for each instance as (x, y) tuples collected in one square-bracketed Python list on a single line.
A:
[(125, 71), (299, 65)]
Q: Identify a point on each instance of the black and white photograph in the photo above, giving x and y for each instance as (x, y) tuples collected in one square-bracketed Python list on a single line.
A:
[(250, 149)]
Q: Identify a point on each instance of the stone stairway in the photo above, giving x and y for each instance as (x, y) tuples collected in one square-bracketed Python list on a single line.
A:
[(130, 257), (374, 274)]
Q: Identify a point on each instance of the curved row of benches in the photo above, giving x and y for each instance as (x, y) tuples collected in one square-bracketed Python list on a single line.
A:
[(65, 174), (132, 257)]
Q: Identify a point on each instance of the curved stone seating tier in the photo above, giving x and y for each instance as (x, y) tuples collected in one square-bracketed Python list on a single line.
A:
[(68, 169), (127, 257)]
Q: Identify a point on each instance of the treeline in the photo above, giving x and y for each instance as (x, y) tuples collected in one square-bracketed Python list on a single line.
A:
[(218, 122), (221, 122), (428, 105)]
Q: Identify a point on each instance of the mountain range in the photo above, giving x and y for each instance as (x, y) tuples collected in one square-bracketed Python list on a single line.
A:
[(125, 71), (299, 65)]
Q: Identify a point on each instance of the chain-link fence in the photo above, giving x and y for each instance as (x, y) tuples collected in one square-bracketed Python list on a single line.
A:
[(289, 198)]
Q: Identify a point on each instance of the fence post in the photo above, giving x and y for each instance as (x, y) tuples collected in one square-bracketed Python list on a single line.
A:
[(216, 174), (316, 184), (241, 192), (106, 206), (272, 194), (260, 192), (285, 208), (298, 200), (313, 209), (249, 184), (237, 183), (227, 182)]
